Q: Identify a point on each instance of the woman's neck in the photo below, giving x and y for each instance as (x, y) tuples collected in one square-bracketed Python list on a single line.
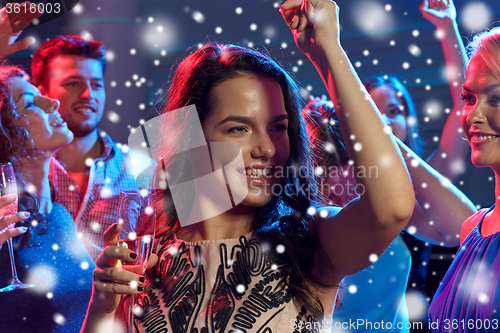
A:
[(36, 173), (231, 224)]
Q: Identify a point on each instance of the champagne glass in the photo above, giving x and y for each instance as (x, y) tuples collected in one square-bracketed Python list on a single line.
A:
[(134, 207), (8, 186)]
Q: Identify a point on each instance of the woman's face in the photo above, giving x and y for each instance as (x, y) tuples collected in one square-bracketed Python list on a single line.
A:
[(480, 116), (44, 123), (392, 107), (249, 111)]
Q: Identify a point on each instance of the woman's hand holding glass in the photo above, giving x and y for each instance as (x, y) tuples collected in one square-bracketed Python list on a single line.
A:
[(111, 280), (9, 217)]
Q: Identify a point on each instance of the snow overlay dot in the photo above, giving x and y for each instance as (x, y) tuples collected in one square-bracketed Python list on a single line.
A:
[(59, 319), (84, 265), (311, 211), (198, 16)]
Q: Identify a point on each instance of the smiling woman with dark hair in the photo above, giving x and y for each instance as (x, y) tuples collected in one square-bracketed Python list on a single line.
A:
[(269, 263)]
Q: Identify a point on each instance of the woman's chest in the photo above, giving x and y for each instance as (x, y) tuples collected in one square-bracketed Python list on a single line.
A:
[(240, 286)]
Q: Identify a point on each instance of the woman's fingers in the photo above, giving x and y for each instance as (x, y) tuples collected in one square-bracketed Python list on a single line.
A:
[(5, 221), (5, 234), (116, 288), (112, 254), (153, 260), (115, 274), (290, 5), (112, 234), (6, 200), (302, 23), (109, 278), (288, 10)]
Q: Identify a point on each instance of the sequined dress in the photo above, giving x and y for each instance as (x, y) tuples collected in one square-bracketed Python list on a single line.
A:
[(229, 285), (468, 299), (60, 267)]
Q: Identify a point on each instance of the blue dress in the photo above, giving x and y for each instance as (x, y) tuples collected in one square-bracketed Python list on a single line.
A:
[(468, 299), (377, 294), (61, 269)]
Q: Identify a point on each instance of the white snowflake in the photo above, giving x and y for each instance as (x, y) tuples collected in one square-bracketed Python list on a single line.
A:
[(59, 319), (414, 50), (476, 16), (198, 16), (113, 117), (78, 9), (352, 289), (417, 305)]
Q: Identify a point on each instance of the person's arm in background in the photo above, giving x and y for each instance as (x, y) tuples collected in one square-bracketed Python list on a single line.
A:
[(441, 208), (348, 237), (442, 14), (11, 26)]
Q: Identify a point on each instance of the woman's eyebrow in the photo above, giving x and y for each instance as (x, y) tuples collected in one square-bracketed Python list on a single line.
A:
[(25, 93), (485, 90), (239, 119), (279, 118), (249, 120)]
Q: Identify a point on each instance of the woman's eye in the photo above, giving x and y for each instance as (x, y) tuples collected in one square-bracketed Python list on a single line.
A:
[(280, 128), (495, 99), (237, 129), (468, 99), (72, 84), (394, 112)]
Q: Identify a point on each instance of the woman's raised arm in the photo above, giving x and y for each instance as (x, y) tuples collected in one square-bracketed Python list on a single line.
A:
[(366, 226)]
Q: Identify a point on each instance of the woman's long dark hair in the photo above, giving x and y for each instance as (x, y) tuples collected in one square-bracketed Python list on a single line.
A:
[(284, 219), (15, 144)]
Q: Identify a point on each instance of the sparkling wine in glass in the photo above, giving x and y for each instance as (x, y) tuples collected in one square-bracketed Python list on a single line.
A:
[(8, 186), (134, 207)]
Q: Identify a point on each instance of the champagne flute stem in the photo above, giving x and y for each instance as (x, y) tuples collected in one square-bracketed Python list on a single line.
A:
[(15, 279), (131, 314)]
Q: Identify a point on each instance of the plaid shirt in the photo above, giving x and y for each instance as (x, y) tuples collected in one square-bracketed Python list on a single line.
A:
[(109, 175)]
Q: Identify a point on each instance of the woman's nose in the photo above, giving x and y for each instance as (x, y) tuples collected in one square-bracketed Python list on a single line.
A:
[(49, 105), (264, 147)]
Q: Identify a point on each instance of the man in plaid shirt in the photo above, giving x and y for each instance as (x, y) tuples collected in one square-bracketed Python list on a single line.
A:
[(91, 171)]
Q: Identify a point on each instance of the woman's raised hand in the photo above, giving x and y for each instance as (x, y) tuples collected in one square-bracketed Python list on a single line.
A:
[(7, 219), (314, 23), (436, 11), (12, 24), (110, 279)]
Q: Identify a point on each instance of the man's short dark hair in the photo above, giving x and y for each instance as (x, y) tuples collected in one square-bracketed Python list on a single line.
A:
[(64, 46)]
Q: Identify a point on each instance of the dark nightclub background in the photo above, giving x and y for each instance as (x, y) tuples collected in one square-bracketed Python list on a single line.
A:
[(146, 38)]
